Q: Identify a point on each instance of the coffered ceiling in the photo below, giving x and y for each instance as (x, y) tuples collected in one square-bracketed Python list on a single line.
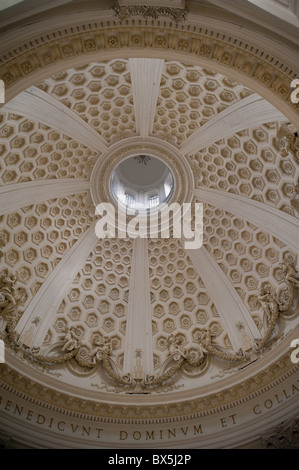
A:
[(221, 136)]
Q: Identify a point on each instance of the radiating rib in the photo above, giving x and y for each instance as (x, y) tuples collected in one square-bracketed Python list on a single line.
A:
[(139, 317), (245, 114), (14, 196), (42, 107), (146, 78), (230, 307), (46, 301), (273, 221)]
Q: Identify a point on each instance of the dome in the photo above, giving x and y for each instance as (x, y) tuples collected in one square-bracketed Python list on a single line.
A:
[(141, 182), (147, 340)]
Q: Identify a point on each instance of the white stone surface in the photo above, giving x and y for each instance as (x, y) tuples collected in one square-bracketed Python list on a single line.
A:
[(139, 317), (36, 104), (146, 78), (14, 196), (244, 114), (230, 306), (47, 300), (280, 224)]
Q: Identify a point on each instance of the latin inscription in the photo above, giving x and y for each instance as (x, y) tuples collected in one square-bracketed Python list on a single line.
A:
[(197, 429)]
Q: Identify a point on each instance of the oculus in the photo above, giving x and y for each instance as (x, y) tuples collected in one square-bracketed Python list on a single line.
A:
[(142, 182)]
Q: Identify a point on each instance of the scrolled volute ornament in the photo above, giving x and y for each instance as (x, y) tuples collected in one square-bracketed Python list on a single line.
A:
[(119, 379), (99, 352), (167, 375)]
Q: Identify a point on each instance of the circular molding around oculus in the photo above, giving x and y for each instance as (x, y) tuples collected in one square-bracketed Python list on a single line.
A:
[(165, 156)]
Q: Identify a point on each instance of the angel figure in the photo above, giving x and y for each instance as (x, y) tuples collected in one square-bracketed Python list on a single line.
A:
[(11, 306), (206, 347), (107, 346), (71, 339), (174, 348), (205, 337), (7, 286), (295, 201), (204, 341), (268, 300), (289, 140), (103, 347), (3, 301), (202, 350), (289, 273), (287, 130)]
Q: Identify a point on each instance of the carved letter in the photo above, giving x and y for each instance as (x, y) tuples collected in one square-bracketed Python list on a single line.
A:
[(121, 433), (295, 93)]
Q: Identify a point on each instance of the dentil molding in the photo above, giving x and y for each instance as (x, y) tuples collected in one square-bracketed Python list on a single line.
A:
[(48, 53)]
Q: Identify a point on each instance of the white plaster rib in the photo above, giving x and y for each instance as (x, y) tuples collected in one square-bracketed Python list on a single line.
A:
[(244, 114), (146, 78), (230, 307), (46, 301), (14, 196), (42, 107), (273, 221), (139, 316)]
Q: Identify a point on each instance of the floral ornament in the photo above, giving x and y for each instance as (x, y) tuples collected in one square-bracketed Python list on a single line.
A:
[(112, 41), (149, 12)]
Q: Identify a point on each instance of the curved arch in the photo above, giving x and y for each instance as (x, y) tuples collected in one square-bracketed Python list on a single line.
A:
[(267, 76)]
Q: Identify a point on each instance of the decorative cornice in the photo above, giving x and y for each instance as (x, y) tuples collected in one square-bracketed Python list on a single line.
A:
[(271, 76), (40, 395), (122, 12)]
